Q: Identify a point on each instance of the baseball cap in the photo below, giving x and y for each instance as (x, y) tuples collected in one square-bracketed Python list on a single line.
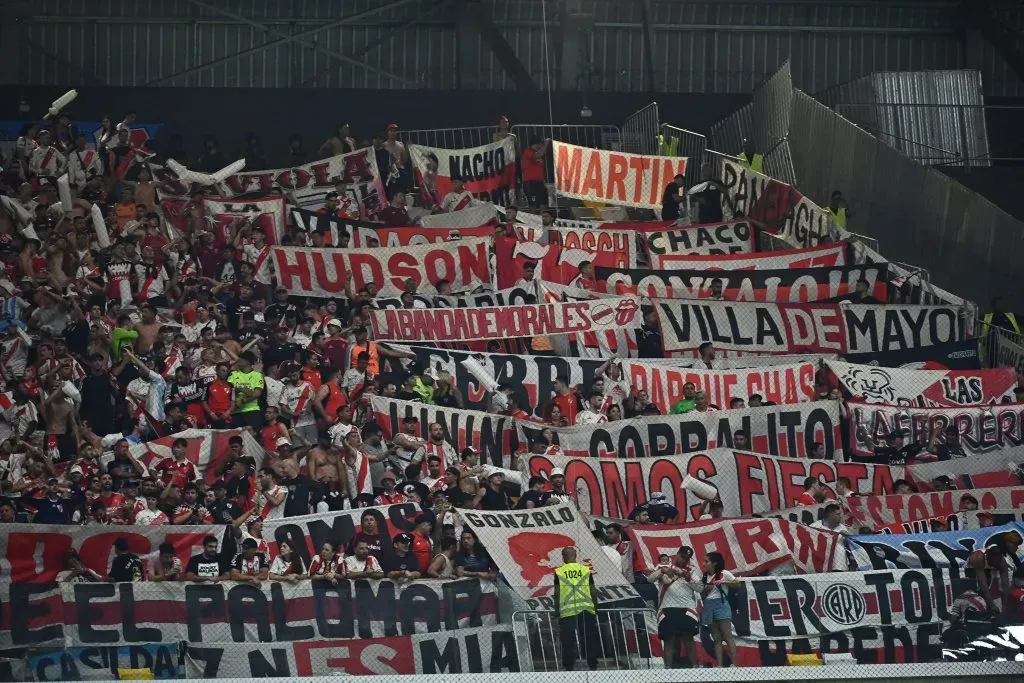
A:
[(557, 472), (282, 441), (496, 473), (335, 322), (402, 538)]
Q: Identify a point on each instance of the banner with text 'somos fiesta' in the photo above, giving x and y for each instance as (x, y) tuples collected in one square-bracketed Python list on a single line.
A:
[(600, 175)]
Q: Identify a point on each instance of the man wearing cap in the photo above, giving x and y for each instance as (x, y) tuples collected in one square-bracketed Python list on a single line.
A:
[(335, 345), (389, 496), (398, 158), (422, 543), (491, 496), (558, 492), (402, 565)]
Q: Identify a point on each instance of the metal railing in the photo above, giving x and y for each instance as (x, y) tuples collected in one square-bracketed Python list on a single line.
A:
[(450, 138), (690, 145), (640, 131), (623, 640)]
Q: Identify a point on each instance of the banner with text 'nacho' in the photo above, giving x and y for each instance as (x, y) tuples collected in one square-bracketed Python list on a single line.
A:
[(924, 388), (488, 171), (803, 328), (599, 175), (325, 272), (469, 324)]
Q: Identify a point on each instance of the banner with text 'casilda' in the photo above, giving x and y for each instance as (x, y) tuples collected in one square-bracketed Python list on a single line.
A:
[(599, 175)]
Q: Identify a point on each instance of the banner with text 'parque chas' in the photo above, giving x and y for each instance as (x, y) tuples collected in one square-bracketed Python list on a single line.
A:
[(711, 239), (513, 296), (928, 550), (783, 384), (924, 388), (369, 235), (542, 319), (981, 429), (826, 255), (488, 171), (268, 213), (801, 328), (80, 614), (306, 184), (779, 207), (748, 546), (804, 285), (325, 272), (599, 175), (788, 431), (747, 483), (877, 512)]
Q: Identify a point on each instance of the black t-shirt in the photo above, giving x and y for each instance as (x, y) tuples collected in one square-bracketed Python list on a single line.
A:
[(202, 566), (224, 511), (648, 342), (670, 202), (455, 496), (276, 355), (709, 206), (401, 563), (124, 568), (539, 498), (494, 500), (303, 495)]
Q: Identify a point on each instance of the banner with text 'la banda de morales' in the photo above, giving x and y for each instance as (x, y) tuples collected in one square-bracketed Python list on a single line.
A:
[(599, 175)]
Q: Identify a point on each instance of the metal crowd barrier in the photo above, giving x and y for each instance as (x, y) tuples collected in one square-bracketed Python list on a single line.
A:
[(640, 131), (450, 138), (685, 143), (624, 640)]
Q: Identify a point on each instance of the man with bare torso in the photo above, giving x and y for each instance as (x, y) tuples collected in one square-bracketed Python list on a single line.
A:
[(325, 467), (148, 329)]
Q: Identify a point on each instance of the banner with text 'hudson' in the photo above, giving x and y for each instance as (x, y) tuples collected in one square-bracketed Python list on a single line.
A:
[(748, 546), (488, 171), (802, 328), (788, 431), (734, 237), (804, 285), (599, 175), (924, 388), (468, 324), (825, 256), (980, 429), (325, 272), (747, 483), (783, 384)]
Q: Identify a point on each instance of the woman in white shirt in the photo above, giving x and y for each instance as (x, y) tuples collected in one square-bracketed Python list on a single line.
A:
[(716, 612), (287, 566), (677, 607)]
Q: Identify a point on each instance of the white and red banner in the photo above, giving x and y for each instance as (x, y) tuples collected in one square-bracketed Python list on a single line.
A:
[(783, 384), (748, 546), (468, 324), (325, 272), (475, 216), (803, 328), (747, 483), (924, 388), (981, 429), (551, 262), (366, 234), (599, 175), (720, 239), (268, 213), (305, 184), (795, 285), (208, 450), (488, 171), (828, 255)]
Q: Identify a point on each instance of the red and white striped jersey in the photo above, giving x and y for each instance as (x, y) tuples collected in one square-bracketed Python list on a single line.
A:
[(321, 567), (47, 161), (264, 508)]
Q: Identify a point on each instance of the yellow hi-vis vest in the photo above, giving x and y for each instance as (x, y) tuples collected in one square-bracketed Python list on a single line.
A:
[(574, 590), (668, 146), (756, 164), (986, 322), (839, 216)]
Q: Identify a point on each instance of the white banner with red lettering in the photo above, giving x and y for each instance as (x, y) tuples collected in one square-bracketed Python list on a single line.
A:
[(471, 217), (599, 175), (748, 546), (325, 272), (268, 213), (783, 384), (468, 324), (925, 388), (829, 255)]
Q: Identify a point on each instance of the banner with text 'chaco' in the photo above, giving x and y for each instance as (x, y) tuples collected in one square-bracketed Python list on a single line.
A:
[(783, 384), (734, 237), (325, 272), (924, 388), (488, 171), (980, 429), (37, 553), (542, 319), (513, 296), (825, 256), (80, 614), (306, 183), (877, 512), (599, 175), (804, 285), (788, 431), (748, 546), (928, 550), (487, 649), (747, 483), (364, 234), (268, 213), (958, 355), (802, 328), (781, 208)]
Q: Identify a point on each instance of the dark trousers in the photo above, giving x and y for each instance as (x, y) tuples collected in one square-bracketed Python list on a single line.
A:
[(585, 626)]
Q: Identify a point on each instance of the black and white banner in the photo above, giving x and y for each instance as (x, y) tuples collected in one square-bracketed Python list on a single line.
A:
[(931, 550), (958, 355), (924, 388), (803, 328), (515, 296), (737, 237), (829, 255), (1009, 350)]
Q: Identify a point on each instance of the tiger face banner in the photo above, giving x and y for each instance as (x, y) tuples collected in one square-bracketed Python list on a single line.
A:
[(825, 256), (748, 546), (924, 388), (802, 328), (779, 207), (747, 483), (787, 431), (598, 175), (979, 429), (805, 285), (734, 237), (306, 184), (488, 171), (268, 213), (340, 232), (468, 324), (783, 384), (325, 272)]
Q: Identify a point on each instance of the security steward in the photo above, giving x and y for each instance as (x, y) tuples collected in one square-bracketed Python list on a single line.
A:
[(576, 610)]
